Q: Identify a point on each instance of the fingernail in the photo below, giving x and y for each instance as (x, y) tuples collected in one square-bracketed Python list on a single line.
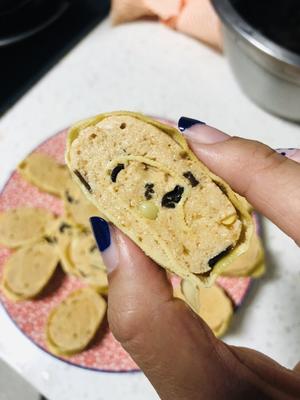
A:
[(198, 132), (104, 237), (293, 154), (186, 123)]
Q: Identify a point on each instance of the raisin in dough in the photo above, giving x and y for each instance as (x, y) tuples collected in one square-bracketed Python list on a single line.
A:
[(144, 178), (45, 173)]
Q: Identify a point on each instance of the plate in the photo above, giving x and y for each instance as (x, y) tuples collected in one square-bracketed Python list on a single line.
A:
[(104, 353)]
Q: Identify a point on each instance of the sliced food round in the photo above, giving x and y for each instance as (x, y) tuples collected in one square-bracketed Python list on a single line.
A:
[(87, 261), (77, 207), (211, 304), (45, 173), (60, 233), (28, 270), (72, 325), (21, 226)]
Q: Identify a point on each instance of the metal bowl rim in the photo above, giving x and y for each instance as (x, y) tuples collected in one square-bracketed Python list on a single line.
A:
[(234, 21)]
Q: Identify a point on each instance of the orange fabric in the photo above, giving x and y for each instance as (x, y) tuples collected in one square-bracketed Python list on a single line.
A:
[(165, 9), (196, 18), (129, 10)]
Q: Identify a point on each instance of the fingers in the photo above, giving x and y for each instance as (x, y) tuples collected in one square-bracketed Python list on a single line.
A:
[(269, 181), (160, 333), (297, 368), (278, 382), (175, 349)]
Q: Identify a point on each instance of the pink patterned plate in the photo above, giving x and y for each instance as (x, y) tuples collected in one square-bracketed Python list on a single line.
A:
[(104, 353)]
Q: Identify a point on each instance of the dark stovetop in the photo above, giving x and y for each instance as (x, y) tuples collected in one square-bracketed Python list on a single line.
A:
[(24, 62)]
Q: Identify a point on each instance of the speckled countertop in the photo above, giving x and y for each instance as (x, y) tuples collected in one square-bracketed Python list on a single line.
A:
[(146, 67)]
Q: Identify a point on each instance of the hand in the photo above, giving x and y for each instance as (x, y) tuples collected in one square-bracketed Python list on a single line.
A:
[(174, 347)]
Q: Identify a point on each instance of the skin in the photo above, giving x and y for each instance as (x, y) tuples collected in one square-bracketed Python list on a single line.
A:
[(174, 347)]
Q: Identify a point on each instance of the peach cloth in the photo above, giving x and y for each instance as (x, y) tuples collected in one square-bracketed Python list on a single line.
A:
[(196, 18)]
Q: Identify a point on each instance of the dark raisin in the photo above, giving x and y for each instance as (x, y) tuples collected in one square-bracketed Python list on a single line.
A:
[(149, 190), (213, 261), (183, 154), (116, 171), (83, 181), (69, 198), (64, 226), (50, 239), (205, 274), (170, 199), (193, 181), (170, 205), (93, 248)]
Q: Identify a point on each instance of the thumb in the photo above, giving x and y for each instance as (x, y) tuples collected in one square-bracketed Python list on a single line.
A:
[(269, 181), (160, 332)]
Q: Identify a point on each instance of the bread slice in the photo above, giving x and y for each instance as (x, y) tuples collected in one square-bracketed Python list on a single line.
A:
[(143, 178)]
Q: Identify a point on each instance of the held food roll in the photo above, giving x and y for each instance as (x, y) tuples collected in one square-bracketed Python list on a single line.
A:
[(143, 178)]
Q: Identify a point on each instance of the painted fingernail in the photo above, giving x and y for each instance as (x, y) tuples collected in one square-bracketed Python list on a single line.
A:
[(293, 154), (104, 237), (186, 123), (200, 133)]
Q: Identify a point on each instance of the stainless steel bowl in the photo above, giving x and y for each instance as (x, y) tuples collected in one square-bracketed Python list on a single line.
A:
[(266, 72)]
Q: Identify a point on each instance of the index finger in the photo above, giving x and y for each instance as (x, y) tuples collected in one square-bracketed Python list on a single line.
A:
[(269, 181)]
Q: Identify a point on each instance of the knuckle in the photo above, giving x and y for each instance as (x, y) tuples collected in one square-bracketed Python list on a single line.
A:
[(125, 324), (264, 161)]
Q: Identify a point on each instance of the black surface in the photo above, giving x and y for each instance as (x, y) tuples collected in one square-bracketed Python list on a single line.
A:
[(24, 62), (29, 18), (7, 6), (278, 20)]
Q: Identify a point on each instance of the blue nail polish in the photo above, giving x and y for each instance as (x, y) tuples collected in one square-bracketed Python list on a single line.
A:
[(101, 232), (185, 123)]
